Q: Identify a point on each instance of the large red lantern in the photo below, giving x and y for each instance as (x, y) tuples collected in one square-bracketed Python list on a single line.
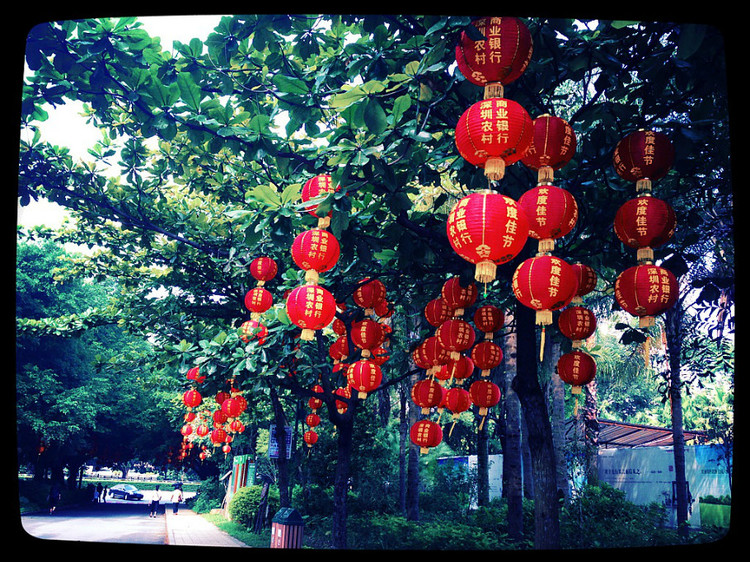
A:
[(457, 400), (488, 319), (643, 157), (552, 146), (315, 251), (494, 53), (457, 296), (367, 334), (587, 280), (426, 434), (257, 301), (577, 369), (218, 436), (253, 329), (544, 283), (455, 336), (364, 376), (232, 408), (552, 212), (263, 269), (437, 312), (433, 354), (486, 355), (494, 133), (487, 229), (318, 187), (192, 398), (577, 324), (369, 294), (645, 223), (310, 307), (646, 291), (426, 394)]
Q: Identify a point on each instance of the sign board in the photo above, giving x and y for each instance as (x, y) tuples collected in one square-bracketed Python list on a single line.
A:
[(273, 444)]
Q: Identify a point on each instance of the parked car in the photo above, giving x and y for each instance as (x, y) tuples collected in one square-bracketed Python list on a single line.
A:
[(126, 492)]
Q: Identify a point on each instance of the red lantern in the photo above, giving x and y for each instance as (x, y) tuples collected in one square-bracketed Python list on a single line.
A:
[(315, 251), (219, 417), (344, 392), (258, 300), (310, 437), (364, 376), (189, 416), (457, 400), (646, 291), (426, 434), (544, 283), (459, 369), (383, 310), (494, 133), (487, 229), (455, 336), (367, 334), (486, 355), (318, 187), (202, 430), (253, 329), (263, 269), (484, 394), (426, 394), (314, 402), (237, 426), (231, 407), (369, 295), (192, 398), (643, 157), (380, 355), (312, 420), (552, 146), (311, 307), (338, 326), (221, 396), (458, 297), (193, 374), (577, 323), (186, 430), (552, 212), (576, 368), (496, 52), (433, 354), (645, 223), (437, 312), (218, 436), (339, 349), (587, 279), (488, 319)]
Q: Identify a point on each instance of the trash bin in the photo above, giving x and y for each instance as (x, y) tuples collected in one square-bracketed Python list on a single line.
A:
[(287, 529)]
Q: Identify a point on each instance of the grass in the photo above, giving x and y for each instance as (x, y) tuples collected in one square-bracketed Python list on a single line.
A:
[(239, 532)]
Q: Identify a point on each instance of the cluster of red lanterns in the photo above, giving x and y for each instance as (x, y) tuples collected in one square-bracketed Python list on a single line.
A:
[(451, 357), (645, 290)]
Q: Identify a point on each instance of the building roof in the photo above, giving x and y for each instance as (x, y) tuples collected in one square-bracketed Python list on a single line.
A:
[(620, 434)]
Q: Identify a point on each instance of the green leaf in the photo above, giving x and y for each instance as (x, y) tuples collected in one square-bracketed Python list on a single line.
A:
[(290, 84), (189, 91), (375, 117), (266, 195)]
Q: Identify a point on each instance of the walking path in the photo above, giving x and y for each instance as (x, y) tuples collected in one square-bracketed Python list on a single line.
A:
[(187, 528)]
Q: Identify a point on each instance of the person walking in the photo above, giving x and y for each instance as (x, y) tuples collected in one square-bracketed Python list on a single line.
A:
[(176, 499), (155, 499), (53, 498)]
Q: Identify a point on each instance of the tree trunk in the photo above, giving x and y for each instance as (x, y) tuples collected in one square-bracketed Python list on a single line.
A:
[(483, 473), (512, 464), (412, 467), (557, 387), (403, 443), (591, 432), (283, 465), (673, 320), (341, 478), (541, 449)]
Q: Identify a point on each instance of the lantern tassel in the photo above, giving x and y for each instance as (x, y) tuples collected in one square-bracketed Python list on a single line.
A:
[(485, 272), (541, 347), (645, 254), (494, 90), (545, 174), (494, 168)]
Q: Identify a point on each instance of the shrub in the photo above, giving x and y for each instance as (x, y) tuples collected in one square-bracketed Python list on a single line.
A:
[(209, 495), (245, 502)]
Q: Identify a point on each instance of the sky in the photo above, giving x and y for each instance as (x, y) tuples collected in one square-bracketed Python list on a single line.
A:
[(62, 120)]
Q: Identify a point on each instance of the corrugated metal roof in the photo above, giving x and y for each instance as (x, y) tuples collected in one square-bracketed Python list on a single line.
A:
[(620, 434)]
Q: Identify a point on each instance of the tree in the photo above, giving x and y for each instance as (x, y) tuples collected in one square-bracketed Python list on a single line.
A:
[(214, 141)]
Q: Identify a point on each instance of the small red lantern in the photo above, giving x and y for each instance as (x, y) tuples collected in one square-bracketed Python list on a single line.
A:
[(587, 279), (383, 309), (318, 187), (544, 283), (338, 326), (552, 212), (459, 369), (485, 394), (364, 376), (645, 223), (344, 392), (221, 396), (380, 355), (486, 355), (643, 157), (257, 301), (576, 368), (310, 437), (426, 394), (192, 398), (189, 416), (369, 294), (219, 417), (487, 229), (310, 307), (237, 426), (218, 436), (367, 334), (232, 408), (339, 349), (494, 133), (552, 146), (577, 323), (437, 312), (315, 251), (433, 354), (263, 269), (458, 297), (488, 319), (253, 329), (193, 374), (455, 336), (496, 52), (426, 434), (457, 400), (202, 430), (312, 420), (646, 291), (314, 402), (186, 430)]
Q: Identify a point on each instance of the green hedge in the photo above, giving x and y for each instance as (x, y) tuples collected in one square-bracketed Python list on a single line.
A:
[(245, 502)]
